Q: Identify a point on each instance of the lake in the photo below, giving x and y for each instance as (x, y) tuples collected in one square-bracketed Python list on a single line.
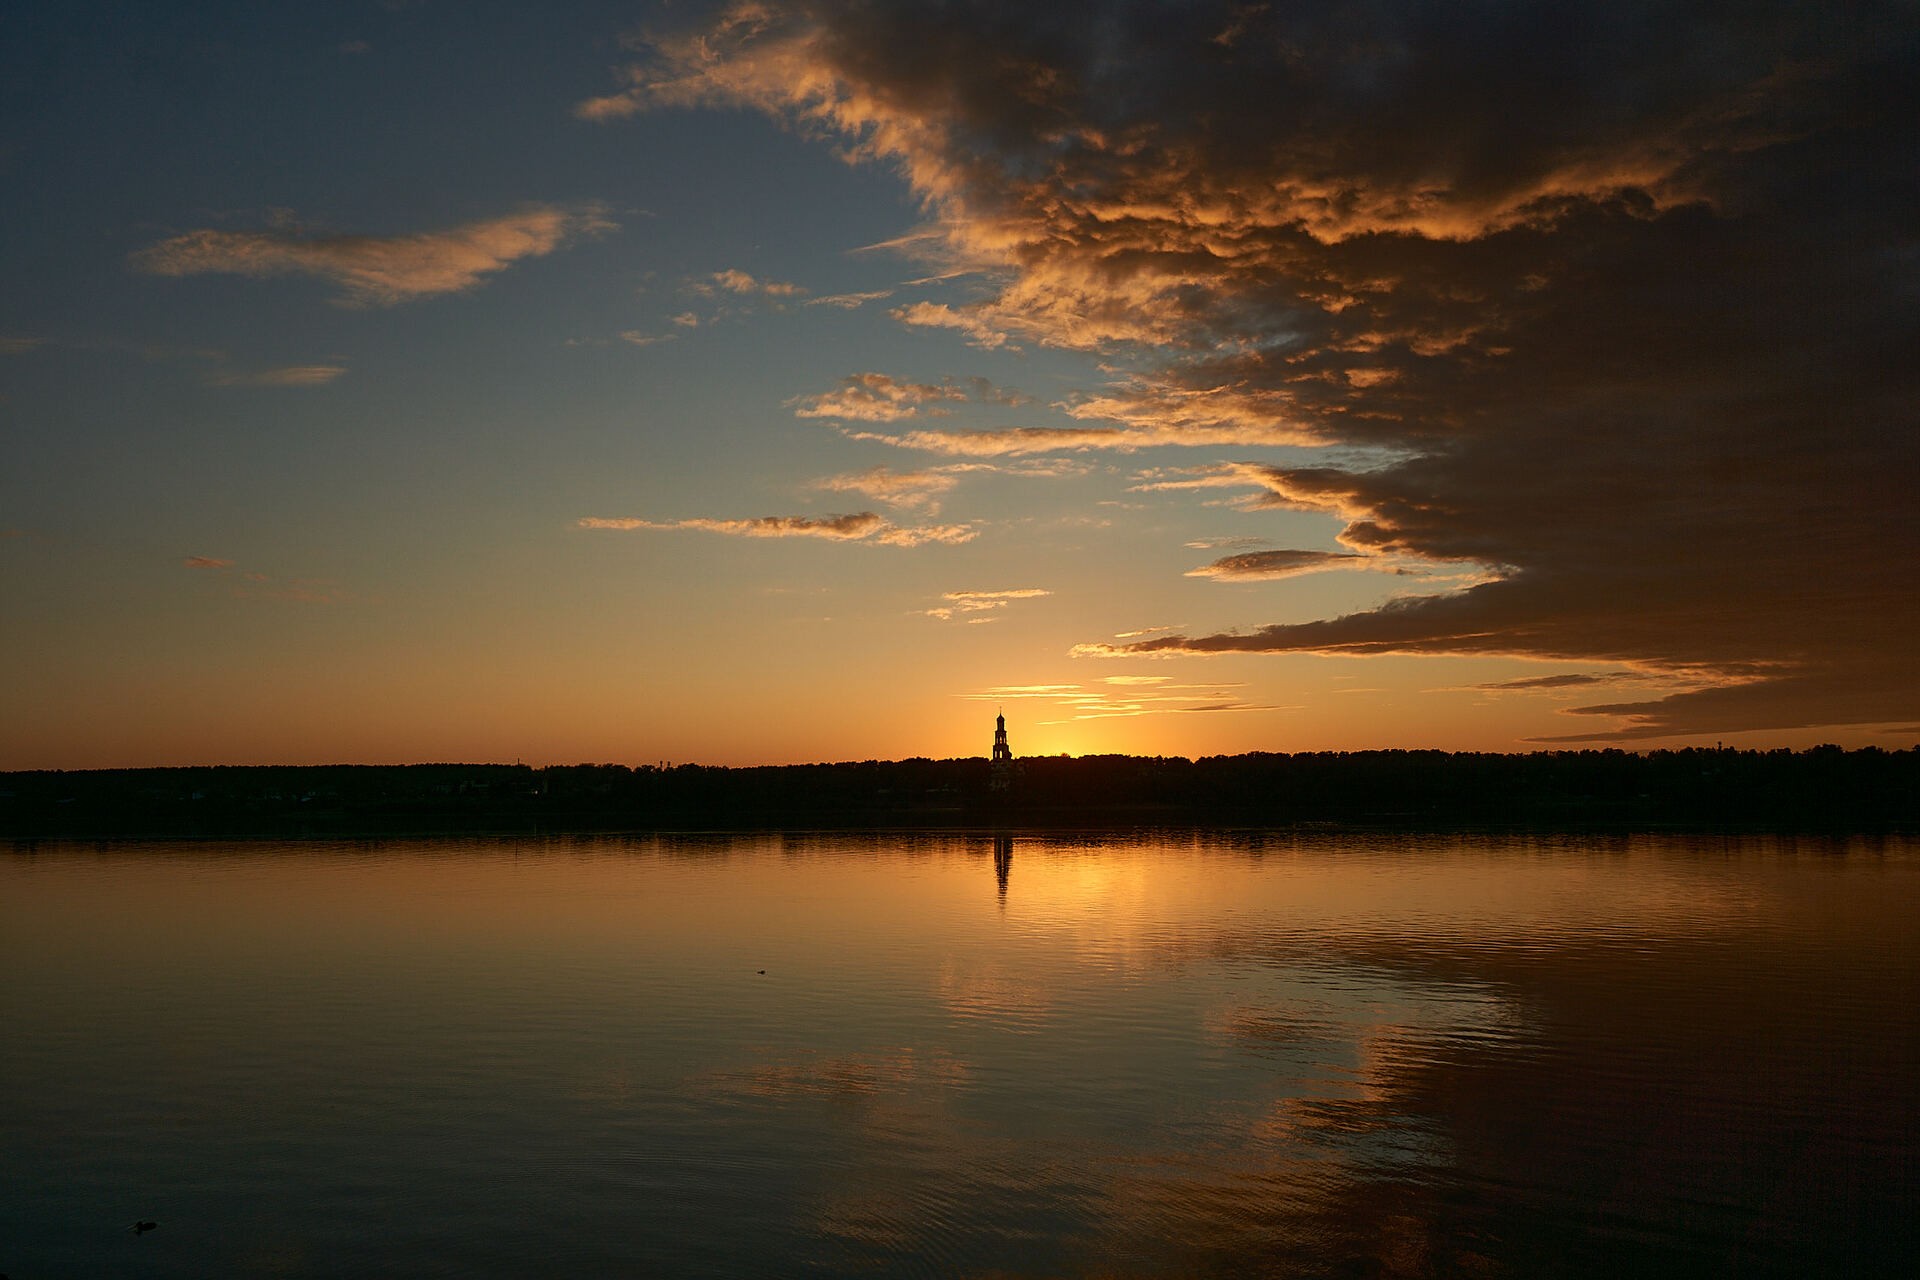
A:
[(1145, 1054)]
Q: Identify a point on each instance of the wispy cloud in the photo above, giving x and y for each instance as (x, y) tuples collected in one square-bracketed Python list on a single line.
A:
[(1532, 683), (849, 301), (1255, 565), (1123, 697), (740, 284), (1223, 475), (924, 490), (860, 526), (961, 603), (16, 344), (293, 591), (254, 585), (875, 397), (919, 490), (379, 270), (293, 375), (1016, 441), (641, 339), (1011, 442), (939, 315)]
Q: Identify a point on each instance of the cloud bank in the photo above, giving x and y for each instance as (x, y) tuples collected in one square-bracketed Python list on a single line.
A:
[(1618, 300)]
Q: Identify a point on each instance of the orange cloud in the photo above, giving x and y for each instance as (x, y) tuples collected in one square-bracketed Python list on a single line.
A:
[(1617, 323), (1533, 683), (942, 534), (739, 282), (875, 397), (1018, 593), (965, 602), (862, 526), (1015, 441), (207, 562), (999, 444), (1236, 414), (378, 270), (938, 315), (921, 490), (1215, 544), (849, 301), (1126, 697), (1282, 564)]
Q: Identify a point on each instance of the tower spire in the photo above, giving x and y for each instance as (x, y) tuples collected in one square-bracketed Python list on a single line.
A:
[(1002, 776)]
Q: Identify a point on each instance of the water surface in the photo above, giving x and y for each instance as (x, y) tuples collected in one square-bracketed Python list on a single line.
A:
[(1143, 1055)]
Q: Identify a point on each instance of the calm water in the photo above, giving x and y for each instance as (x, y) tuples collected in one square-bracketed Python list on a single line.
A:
[(1151, 1055)]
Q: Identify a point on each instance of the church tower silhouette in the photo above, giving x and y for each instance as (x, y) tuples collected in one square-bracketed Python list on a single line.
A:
[(1002, 755)]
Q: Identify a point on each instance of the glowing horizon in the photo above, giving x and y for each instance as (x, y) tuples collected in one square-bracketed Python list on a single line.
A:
[(774, 383)]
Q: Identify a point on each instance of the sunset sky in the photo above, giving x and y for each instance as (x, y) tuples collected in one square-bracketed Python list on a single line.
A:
[(755, 383)]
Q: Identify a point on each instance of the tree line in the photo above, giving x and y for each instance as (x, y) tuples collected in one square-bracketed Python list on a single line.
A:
[(1824, 787)]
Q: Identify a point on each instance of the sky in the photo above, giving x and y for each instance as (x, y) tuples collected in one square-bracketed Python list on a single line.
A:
[(764, 382)]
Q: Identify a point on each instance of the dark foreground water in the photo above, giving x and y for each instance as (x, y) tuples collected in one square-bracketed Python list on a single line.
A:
[(1225, 1054)]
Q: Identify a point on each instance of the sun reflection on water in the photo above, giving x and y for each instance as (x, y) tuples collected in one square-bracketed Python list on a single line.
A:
[(1127, 1055)]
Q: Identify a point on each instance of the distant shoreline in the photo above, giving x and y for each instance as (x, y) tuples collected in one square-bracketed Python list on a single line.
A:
[(1824, 789)]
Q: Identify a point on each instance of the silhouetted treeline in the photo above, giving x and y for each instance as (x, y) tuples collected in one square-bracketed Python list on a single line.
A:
[(1824, 787)]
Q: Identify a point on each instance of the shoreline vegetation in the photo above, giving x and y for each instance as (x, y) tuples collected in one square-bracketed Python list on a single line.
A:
[(1820, 789)]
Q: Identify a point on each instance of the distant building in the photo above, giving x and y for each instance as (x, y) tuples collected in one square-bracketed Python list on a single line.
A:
[(1002, 755)]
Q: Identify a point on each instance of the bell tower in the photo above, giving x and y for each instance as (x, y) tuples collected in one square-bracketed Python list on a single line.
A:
[(1002, 775)]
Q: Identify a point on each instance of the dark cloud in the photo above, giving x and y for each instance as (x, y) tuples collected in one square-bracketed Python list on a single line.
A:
[(1614, 302)]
